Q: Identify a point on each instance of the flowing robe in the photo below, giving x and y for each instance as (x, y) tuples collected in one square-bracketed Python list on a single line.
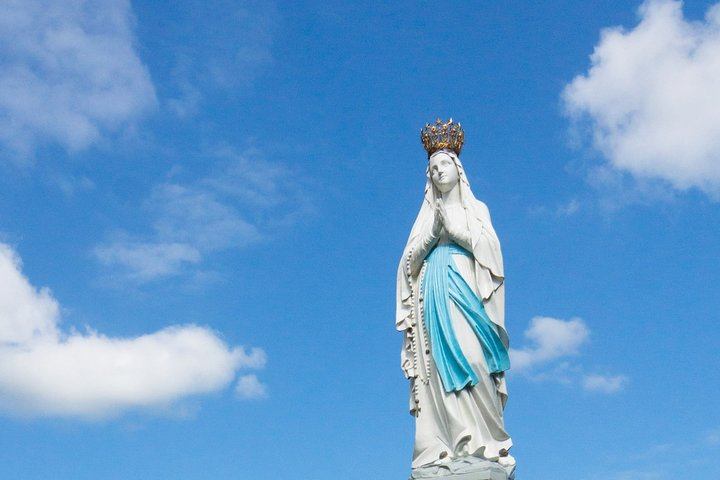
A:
[(469, 421)]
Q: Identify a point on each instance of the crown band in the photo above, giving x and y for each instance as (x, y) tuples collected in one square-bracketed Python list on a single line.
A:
[(442, 135)]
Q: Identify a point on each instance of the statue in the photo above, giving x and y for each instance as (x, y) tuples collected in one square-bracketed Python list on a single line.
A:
[(450, 306)]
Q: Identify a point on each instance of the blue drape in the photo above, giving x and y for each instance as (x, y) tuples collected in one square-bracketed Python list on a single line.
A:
[(443, 283)]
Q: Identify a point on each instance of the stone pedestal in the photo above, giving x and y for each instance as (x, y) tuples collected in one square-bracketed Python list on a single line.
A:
[(467, 468)]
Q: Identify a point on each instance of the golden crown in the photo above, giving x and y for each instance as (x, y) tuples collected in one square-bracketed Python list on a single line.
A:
[(442, 135)]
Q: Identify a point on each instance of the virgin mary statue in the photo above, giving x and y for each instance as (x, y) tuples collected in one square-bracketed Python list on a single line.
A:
[(450, 307)]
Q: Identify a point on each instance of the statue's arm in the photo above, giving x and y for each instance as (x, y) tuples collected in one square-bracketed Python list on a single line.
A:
[(462, 237), (458, 230), (419, 249)]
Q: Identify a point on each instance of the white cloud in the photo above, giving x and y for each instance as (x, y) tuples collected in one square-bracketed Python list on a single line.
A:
[(248, 386), (652, 99), (551, 339), (47, 372), (69, 72), (604, 383), (26, 313), (552, 342), (233, 206)]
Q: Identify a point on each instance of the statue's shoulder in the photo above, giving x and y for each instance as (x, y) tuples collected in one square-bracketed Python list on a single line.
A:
[(481, 204), (481, 210)]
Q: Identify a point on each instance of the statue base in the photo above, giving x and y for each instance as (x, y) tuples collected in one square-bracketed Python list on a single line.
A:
[(465, 468)]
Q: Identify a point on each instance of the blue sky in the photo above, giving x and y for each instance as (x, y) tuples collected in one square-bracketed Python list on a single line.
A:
[(202, 207)]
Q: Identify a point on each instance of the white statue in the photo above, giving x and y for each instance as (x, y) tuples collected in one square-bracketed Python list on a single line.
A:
[(450, 306)]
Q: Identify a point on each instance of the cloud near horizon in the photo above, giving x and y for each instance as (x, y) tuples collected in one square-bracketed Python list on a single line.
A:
[(651, 98), (68, 74), (47, 372)]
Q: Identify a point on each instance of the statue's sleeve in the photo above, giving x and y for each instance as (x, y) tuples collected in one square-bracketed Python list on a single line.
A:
[(418, 250), (408, 271)]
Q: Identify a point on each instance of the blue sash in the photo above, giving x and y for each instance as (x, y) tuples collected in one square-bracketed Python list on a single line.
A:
[(441, 283)]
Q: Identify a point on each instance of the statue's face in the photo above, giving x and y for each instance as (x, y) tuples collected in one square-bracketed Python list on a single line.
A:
[(443, 172)]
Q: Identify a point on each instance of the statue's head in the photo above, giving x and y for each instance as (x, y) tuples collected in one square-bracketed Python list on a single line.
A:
[(443, 143), (443, 170)]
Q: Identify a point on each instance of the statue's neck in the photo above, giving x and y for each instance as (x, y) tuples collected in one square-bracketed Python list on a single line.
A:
[(452, 197)]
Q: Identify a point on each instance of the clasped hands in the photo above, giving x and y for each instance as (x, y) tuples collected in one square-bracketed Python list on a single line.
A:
[(442, 220), (457, 231)]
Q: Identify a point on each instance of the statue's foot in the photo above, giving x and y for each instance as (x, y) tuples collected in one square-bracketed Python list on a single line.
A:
[(506, 461)]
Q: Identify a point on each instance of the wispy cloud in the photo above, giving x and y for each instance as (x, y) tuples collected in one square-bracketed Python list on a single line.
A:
[(566, 209), (232, 46), (604, 383), (69, 72), (653, 473), (552, 342), (248, 386), (569, 208), (146, 260), (45, 371), (650, 97), (656, 461), (712, 437), (241, 201)]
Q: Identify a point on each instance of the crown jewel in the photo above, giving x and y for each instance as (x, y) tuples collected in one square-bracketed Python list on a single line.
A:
[(442, 135)]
